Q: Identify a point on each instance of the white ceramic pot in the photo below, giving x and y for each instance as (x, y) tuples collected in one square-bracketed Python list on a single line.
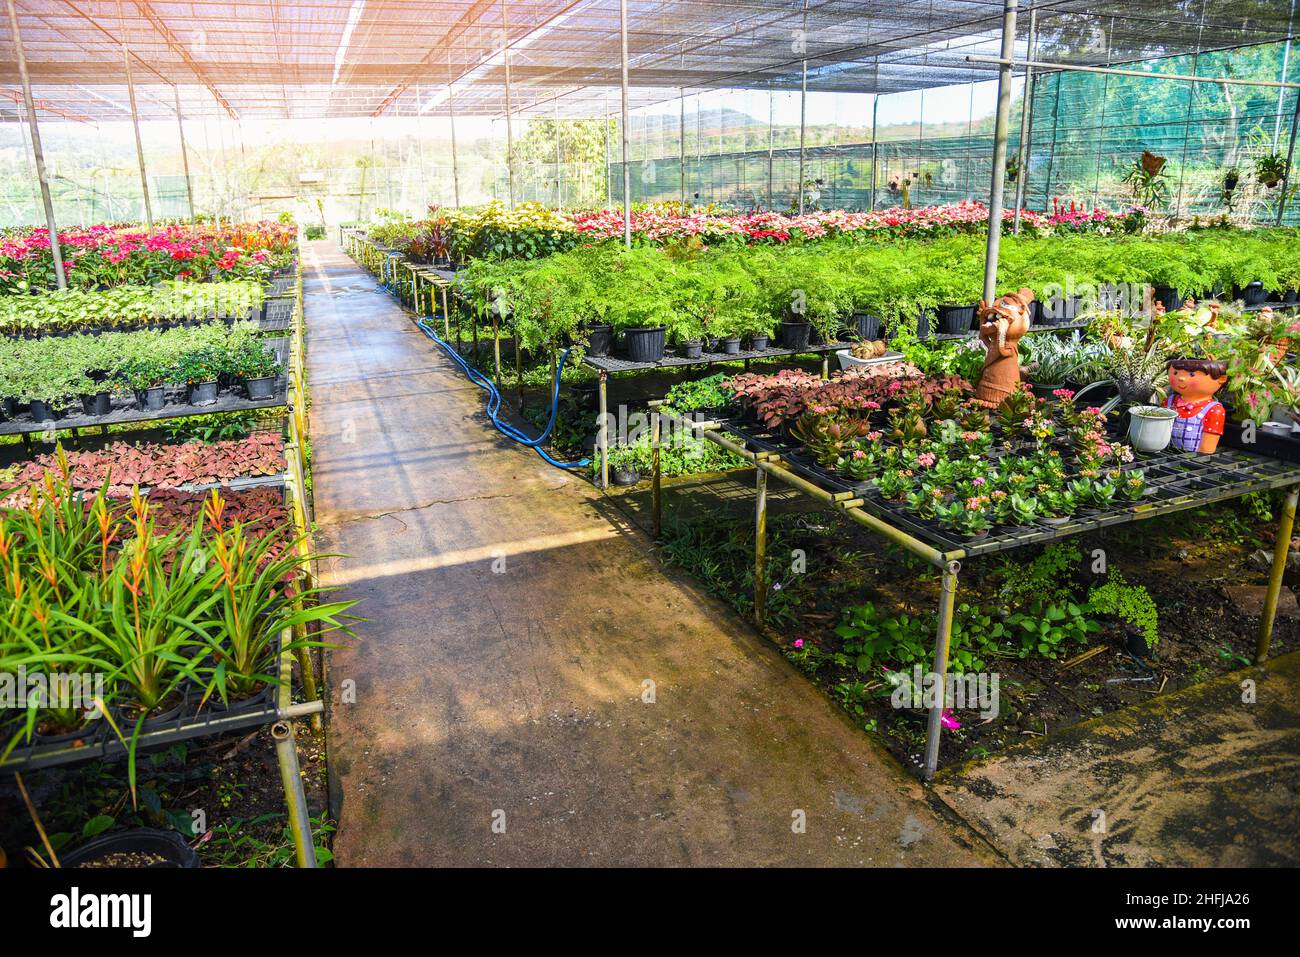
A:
[(1150, 427), (848, 360)]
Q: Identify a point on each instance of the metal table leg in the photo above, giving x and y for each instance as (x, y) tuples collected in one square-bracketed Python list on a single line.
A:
[(1285, 527), (947, 601), (602, 438)]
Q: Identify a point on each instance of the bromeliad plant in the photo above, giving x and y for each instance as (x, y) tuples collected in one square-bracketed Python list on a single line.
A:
[(154, 604)]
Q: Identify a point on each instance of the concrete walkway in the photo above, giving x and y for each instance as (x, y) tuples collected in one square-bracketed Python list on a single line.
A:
[(518, 627)]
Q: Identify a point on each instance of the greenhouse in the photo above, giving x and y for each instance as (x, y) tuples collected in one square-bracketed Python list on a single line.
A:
[(612, 434)]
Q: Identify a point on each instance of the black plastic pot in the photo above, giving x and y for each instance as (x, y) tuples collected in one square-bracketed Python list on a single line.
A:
[(1168, 297), (97, 403), (9, 407), (600, 339), (692, 350), (1044, 390), (757, 343), (731, 346), (167, 845), (263, 387), (203, 393), (1252, 295), (151, 399), (42, 411), (626, 476), (923, 323), (867, 326), (794, 335), (1135, 642), (956, 319), (644, 344), (1057, 310)]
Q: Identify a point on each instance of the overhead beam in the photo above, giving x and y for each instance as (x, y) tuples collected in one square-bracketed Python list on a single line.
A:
[(47, 106), (179, 49)]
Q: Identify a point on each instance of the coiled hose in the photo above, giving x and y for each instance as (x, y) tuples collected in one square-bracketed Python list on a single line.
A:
[(494, 400)]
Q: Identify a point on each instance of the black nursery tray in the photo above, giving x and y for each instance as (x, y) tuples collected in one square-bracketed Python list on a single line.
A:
[(102, 744), (1175, 481)]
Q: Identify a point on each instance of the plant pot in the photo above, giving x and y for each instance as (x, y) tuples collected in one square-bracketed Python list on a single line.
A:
[(97, 403), (1057, 310), (203, 393), (644, 344), (9, 407), (1150, 427), (866, 326), (954, 320), (151, 399), (600, 339), (923, 323), (1252, 295), (626, 476), (1135, 643), (1168, 297), (1056, 520), (731, 346), (795, 335), (1044, 390), (43, 411), (263, 387), (692, 350), (143, 847), (757, 343)]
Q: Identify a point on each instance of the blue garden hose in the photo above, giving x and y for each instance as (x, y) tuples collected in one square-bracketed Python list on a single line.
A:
[(494, 400)]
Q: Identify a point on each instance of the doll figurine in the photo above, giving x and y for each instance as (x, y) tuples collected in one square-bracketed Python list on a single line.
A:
[(1001, 326), (1201, 417)]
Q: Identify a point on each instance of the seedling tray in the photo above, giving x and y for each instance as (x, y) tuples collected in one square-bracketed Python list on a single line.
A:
[(1175, 481)]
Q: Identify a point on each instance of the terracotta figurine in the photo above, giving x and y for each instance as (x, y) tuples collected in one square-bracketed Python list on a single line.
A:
[(1001, 326), (1201, 417)]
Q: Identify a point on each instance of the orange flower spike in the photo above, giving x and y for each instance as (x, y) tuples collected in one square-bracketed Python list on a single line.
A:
[(213, 508)]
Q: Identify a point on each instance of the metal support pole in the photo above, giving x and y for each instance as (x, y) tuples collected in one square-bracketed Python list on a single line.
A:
[(1000, 150), (681, 143), (947, 601), (185, 156), (760, 547), (1286, 64), (602, 436), (1290, 157), (804, 100), (286, 752), (451, 113), (1026, 122), (656, 479), (1285, 528), (627, 173), (510, 136), (771, 144), (496, 352), (38, 152), (135, 120), (875, 112)]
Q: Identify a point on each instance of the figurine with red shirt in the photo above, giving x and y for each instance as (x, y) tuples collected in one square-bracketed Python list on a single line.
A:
[(1201, 417)]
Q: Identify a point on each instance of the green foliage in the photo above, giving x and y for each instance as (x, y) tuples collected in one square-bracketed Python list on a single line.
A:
[(127, 307), (1131, 604)]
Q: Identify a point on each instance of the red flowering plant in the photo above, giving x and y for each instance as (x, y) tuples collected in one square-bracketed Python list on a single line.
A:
[(119, 255)]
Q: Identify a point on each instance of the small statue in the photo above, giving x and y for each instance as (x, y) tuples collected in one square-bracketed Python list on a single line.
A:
[(1201, 417), (1001, 326)]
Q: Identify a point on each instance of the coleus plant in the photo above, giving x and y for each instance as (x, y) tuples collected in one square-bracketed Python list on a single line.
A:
[(123, 465)]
